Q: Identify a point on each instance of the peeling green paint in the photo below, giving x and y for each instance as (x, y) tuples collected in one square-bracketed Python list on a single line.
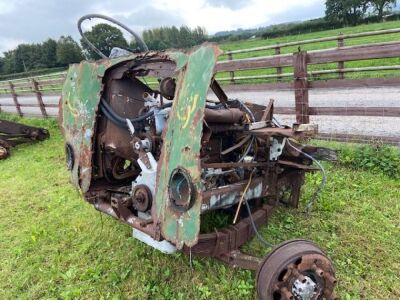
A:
[(182, 138), (79, 104), (181, 147), (80, 99)]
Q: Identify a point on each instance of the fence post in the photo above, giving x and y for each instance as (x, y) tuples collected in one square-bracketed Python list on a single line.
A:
[(15, 99), (39, 97), (278, 69), (341, 63), (232, 74), (301, 87)]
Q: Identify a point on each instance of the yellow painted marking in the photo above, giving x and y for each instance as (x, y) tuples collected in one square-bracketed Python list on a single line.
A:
[(189, 111)]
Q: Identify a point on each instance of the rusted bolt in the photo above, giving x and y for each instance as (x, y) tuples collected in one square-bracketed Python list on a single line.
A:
[(328, 277), (317, 270), (286, 294)]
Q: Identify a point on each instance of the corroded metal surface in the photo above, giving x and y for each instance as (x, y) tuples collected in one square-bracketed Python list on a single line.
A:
[(220, 243), (181, 148), (12, 134), (80, 100), (296, 269), (161, 157), (4, 149), (79, 105)]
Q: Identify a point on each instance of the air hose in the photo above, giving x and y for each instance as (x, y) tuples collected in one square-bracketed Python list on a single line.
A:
[(312, 200), (119, 121)]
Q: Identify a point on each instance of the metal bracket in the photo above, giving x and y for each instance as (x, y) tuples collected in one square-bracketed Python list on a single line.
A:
[(237, 259), (276, 149), (148, 175), (163, 246)]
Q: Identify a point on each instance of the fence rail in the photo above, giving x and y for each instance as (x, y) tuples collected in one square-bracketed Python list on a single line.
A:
[(339, 38), (301, 80)]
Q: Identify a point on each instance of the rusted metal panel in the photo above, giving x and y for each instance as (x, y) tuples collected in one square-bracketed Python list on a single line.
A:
[(230, 195), (80, 99), (181, 148), (162, 159), (284, 132), (81, 95), (4, 149), (12, 134), (221, 242)]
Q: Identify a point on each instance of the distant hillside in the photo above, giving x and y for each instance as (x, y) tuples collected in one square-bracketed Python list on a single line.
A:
[(295, 28), (250, 31)]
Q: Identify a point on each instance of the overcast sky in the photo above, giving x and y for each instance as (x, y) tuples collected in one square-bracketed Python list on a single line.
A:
[(37, 20)]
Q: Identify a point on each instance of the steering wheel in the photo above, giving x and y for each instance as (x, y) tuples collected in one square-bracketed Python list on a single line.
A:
[(141, 44)]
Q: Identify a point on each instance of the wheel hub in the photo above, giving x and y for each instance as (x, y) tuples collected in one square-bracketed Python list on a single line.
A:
[(141, 198), (305, 289), (296, 270)]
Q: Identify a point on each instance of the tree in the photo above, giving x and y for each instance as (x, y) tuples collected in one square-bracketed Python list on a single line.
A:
[(173, 37), (347, 12), (68, 51), (185, 37), (9, 62), (379, 6), (104, 37), (1, 65), (48, 53), (27, 57)]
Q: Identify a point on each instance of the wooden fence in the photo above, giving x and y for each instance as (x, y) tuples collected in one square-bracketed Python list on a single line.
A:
[(340, 40), (301, 80), (37, 87)]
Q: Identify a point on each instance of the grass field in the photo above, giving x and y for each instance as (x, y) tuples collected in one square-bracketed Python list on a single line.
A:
[(321, 34), (55, 246), (318, 46)]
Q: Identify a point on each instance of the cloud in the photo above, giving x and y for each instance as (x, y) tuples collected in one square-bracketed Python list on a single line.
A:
[(253, 14), (9, 43), (234, 5), (36, 21), (140, 17)]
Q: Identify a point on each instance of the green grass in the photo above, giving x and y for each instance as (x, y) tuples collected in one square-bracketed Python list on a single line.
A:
[(53, 245), (321, 34), (318, 46)]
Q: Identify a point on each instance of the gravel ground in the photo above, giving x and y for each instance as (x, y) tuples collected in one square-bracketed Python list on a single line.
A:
[(371, 97)]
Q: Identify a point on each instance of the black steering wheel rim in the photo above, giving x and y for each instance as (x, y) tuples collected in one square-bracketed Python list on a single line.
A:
[(141, 44)]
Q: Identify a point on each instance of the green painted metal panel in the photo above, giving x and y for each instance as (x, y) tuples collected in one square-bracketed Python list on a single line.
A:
[(80, 99), (79, 104), (181, 147)]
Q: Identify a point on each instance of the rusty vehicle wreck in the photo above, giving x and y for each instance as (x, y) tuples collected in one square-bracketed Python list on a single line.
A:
[(161, 157)]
